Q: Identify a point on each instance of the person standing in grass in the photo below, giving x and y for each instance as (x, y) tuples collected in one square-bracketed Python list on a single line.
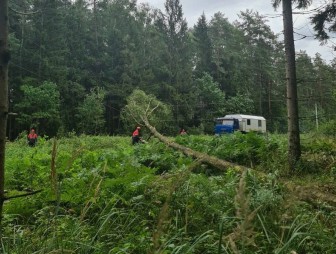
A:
[(32, 138), (136, 136), (183, 132)]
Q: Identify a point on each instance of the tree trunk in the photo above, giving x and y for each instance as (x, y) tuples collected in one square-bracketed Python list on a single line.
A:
[(201, 157), (4, 59), (294, 150)]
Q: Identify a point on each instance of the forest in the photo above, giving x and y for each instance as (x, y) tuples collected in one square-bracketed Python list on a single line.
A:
[(73, 63), (85, 73)]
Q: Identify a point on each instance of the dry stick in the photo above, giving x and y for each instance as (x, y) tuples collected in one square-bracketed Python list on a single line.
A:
[(22, 195)]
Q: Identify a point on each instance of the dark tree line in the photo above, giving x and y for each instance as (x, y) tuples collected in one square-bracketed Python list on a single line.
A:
[(75, 62)]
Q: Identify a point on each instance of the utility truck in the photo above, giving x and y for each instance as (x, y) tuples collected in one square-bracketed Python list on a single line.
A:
[(239, 122)]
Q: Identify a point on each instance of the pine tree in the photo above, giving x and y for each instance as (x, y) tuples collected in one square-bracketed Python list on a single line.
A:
[(176, 88), (203, 47), (294, 148)]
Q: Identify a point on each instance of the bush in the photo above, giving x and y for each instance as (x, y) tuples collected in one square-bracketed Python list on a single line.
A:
[(328, 128)]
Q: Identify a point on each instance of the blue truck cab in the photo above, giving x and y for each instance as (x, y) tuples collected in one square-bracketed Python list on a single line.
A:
[(240, 122), (226, 125)]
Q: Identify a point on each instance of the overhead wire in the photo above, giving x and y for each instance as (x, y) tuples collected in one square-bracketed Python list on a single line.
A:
[(307, 12)]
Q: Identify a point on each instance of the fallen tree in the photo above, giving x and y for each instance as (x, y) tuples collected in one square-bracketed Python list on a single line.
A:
[(143, 109), (318, 195), (201, 157), (146, 109)]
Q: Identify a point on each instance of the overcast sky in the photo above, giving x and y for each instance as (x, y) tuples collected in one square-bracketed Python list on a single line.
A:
[(193, 9)]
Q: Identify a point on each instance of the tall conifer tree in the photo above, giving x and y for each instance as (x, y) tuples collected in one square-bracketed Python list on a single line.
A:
[(203, 46), (294, 148)]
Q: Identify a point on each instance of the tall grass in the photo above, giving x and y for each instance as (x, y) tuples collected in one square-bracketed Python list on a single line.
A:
[(116, 198)]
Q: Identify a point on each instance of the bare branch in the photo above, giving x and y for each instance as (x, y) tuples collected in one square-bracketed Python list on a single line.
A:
[(154, 108), (24, 13), (134, 118), (149, 103), (22, 195)]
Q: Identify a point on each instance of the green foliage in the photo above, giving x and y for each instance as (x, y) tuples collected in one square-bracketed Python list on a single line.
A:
[(318, 154), (114, 197), (156, 157), (90, 114), (328, 128), (240, 103), (203, 52), (209, 101), (251, 149), (72, 94), (322, 19), (40, 107), (142, 107), (79, 47)]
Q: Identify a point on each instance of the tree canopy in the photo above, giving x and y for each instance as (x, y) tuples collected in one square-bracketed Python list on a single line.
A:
[(120, 46)]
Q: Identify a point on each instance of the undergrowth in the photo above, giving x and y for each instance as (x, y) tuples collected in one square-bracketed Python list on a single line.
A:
[(112, 197)]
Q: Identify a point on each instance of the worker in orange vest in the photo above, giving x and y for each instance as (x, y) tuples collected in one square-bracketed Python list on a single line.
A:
[(136, 136), (32, 137)]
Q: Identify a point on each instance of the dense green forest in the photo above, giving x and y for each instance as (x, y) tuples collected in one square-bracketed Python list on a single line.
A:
[(84, 73), (74, 63)]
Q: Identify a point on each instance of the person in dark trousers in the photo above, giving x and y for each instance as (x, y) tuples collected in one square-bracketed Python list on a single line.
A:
[(136, 136), (32, 138)]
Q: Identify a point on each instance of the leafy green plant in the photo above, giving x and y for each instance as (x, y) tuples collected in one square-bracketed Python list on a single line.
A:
[(40, 107), (111, 198)]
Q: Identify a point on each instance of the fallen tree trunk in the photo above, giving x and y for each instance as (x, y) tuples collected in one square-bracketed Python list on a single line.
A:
[(201, 157), (307, 194), (316, 195), (143, 109)]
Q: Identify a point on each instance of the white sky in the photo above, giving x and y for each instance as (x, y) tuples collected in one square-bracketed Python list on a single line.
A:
[(193, 9)]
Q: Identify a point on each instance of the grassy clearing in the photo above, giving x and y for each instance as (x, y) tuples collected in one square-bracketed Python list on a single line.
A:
[(111, 197)]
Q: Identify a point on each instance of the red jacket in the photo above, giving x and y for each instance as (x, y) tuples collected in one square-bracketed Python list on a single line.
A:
[(135, 133), (32, 135)]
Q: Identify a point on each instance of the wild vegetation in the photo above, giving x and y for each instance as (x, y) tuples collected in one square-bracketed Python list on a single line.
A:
[(100, 194), (82, 69), (86, 57)]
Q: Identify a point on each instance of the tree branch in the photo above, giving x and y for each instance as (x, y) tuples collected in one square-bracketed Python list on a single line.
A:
[(154, 109), (24, 13), (129, 111), (22, 195), (149, 103)]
